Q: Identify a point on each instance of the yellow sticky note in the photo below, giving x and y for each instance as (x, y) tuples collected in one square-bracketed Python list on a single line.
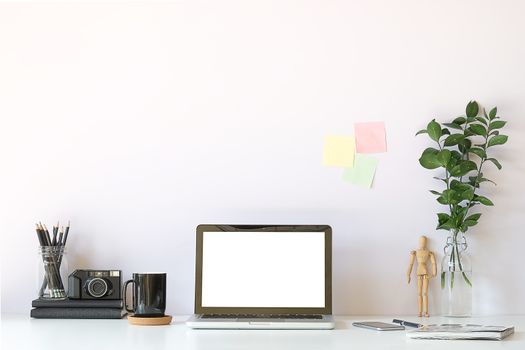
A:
[(339, 151)]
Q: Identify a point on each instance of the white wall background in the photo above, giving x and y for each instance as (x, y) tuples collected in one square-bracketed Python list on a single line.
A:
[(138, 121)]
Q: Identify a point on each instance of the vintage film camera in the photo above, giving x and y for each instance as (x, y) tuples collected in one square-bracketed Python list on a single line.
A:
[(95, 284)]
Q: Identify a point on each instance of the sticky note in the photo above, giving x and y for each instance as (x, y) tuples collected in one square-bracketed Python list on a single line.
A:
[(339, 151), (363, 172), (370, 137)]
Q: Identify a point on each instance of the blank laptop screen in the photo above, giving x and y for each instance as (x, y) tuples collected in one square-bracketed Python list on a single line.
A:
[(263, 269)]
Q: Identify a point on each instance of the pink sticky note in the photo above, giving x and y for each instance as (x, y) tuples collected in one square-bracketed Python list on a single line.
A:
[(370, 137)]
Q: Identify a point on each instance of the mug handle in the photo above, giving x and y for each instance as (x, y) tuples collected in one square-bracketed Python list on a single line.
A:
[(132, 296)]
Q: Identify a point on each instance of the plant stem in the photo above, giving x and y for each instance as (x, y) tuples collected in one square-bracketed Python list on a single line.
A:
[(453, 259), (447, 177), (455, 256), (479, 169)]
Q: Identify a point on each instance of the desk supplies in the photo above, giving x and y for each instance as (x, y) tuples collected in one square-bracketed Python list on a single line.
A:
[(71, 303), (149, 294), (95, 284), (363, 171), (379, 326), (460, 331), (149, 321), (406, 323), (422, 256), (263, 277), (339, 151), (98, 297), (78, 312), (370, 137), (52, 251)]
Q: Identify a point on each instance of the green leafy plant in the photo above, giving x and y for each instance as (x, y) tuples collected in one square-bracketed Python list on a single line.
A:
[(462, 150)]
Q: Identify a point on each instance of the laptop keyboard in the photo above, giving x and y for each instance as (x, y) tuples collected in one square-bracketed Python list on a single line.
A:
[(294, 316)]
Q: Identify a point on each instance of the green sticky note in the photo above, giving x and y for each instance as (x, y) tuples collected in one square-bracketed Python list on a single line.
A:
[(339, 151), (363, 171)]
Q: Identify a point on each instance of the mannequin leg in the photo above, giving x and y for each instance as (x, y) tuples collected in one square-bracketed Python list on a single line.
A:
[(419, 294), (425, 296)]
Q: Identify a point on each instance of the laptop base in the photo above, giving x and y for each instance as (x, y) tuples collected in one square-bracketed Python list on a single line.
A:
[(196, 322)]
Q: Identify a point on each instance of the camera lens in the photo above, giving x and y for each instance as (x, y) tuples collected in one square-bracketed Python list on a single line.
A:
[(97, 287)]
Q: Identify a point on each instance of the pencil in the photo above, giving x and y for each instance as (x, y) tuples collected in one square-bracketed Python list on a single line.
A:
[(55, 231), (39, 235), (66, 233), (60, 237), (46, 234), (42, 234)]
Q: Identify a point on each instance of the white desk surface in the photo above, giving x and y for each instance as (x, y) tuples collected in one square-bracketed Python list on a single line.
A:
[(21, 332)]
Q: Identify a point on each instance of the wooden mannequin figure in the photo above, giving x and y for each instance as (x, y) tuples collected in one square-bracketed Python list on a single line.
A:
[(422, 255)]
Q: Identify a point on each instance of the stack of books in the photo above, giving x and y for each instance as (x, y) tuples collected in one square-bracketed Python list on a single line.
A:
[(69, 308)]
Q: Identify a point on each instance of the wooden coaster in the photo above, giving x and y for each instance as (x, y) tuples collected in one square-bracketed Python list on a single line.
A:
[(149, 321)]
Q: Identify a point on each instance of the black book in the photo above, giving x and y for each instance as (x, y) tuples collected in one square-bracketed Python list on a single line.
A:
[(78, 312), (69, 303)]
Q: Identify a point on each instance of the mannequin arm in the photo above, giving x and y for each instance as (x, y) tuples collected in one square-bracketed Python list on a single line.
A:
[(434, 265), (411, 264)]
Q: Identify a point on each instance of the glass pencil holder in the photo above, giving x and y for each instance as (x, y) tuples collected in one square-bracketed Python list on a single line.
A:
[(53, 270)]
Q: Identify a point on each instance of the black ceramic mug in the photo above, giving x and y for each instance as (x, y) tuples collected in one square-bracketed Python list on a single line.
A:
[(149, 294)]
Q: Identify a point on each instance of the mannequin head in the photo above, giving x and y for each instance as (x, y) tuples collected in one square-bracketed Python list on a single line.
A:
[(422, 242)]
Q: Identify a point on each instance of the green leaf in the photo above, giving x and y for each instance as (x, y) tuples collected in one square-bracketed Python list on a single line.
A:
[(435, 192), (443, 157), (466, 195), (422, 131), (459, 120), (434, 130), (445, 222), (496, 132), (480, 152), (478, 129), (483, 179), (472, 109), (482, 120), (497, 124), (443, 217), (468, 133), (459, 186), (453, 126), (474, 217), (454, 139), (428, 160), (475, 180), (448, 197), (454, 160), (497, 140), (483, 200), (464, 145), (496, 163), (493, 112), (469, 223), (440, 179), (463, 168)]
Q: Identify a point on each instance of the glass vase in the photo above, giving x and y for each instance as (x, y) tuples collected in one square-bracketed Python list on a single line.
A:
[(456, 277), (53, 270)]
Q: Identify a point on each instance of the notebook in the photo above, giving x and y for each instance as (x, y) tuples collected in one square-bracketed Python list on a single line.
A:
[(460, 331)]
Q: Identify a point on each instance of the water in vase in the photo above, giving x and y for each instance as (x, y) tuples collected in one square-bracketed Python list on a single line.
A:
[(456, 291)]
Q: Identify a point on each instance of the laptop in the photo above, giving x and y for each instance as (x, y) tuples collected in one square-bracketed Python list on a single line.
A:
[(263, 277)]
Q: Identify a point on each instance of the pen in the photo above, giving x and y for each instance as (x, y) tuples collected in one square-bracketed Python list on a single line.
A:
[(406, 323)]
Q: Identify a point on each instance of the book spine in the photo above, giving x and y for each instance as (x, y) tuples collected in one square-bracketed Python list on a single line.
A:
[(116, 304), (77, 313)]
